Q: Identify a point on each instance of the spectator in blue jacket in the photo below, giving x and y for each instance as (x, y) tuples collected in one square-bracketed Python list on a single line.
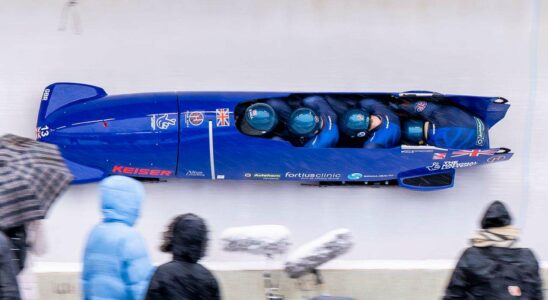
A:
[(116, 262)]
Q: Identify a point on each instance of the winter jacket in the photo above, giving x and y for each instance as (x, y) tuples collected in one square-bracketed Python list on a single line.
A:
[(18, 237), (479, 272), (9, 290), (116, 263), (183, 278)]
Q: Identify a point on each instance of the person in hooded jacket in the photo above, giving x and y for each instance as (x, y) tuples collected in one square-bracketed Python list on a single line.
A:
[(116, 262), (494, 268), (184, 278)]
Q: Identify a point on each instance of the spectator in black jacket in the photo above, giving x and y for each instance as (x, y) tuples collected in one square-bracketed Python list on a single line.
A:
[(9, 290), (494, 268), (184, 278)]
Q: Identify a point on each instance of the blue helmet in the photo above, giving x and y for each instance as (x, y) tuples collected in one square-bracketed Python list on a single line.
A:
[(355, 122), (412, 131), (304, 122), (260, 117)]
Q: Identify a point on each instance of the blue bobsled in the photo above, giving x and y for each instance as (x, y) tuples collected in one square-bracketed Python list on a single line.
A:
[(194, 135)]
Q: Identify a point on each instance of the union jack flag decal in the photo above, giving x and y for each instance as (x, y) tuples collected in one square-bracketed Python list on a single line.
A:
[(439, 155), (223, 117), (472, 153)]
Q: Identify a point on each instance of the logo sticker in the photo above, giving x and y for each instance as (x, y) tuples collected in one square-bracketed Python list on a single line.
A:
[(42, 132), (480, 128), (355, 176), (195, 118), (267, 176), (496, 158), (420, 106), (439, 155), (161, 121), (140, 171), (222, 116), (450, 165), (45, 96), (194, 173), (472, 153), (312, 176)]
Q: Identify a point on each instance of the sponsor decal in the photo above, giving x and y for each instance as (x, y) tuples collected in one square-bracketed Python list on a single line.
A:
[(361, 134), (496, 158), (267, 176), (140, 171), (450, 165), (472, 153), (355, 176), (161, 121), (420, 106), (42, 132), (222, 115), (193, 173), (480, 132), (45, 96), (434, 167), (379, 176), (247, 175), (439, 155), (220, 177), (312, 176), (195, 118)]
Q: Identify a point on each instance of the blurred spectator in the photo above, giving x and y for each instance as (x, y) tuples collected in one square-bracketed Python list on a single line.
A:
[(116, 263), (184, 278), (9, 289), (36, 244), (494, 268), (18, 237)]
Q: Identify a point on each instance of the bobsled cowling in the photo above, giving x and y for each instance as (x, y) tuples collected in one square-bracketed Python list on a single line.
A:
[(195, 135)]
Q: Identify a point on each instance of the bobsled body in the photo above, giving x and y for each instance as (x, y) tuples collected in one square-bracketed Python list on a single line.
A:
[(194, 135)]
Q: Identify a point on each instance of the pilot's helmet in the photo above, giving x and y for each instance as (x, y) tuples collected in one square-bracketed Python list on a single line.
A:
[(355, 122), (412, 131), (304, 122), (260, 118)]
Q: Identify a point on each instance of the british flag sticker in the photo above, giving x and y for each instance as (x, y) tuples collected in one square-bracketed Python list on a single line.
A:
[(222, 116), (439, 155)]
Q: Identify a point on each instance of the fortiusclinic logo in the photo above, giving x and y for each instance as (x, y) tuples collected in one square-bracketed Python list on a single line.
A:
[(313, 176)]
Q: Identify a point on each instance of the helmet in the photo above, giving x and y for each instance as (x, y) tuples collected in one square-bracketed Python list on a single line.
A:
[(355, 122), (304, 122), (413, 131), (260, 118)]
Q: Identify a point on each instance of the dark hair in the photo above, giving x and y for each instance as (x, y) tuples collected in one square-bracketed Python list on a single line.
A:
[(167, 245), (186, 238)]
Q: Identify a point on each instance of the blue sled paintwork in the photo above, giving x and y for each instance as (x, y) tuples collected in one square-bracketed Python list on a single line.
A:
[(193, 135)]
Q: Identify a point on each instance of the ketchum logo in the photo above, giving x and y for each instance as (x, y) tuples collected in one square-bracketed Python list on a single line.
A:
[(355, 176)]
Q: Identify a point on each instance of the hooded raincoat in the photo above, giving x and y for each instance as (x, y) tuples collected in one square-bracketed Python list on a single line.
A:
[(480, 271), (116, 263), (184, 278)]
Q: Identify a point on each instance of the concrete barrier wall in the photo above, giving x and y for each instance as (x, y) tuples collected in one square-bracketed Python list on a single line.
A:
[(374, 283)]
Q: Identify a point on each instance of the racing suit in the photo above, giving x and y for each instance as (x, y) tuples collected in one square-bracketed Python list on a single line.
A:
[(387, 134), (329, 133), (450, 126)]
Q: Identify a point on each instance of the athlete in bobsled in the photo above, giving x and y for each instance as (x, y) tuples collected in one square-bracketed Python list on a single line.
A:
[(309, 122), (369, 123), (443, 125)]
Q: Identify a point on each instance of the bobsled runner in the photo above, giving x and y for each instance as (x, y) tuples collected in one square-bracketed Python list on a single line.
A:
[(196, 135)]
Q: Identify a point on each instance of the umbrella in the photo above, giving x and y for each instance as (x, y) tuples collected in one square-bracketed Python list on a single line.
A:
[(32, 176)]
